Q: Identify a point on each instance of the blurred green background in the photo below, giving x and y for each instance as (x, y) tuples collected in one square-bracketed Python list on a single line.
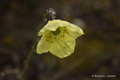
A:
[(96, 53)]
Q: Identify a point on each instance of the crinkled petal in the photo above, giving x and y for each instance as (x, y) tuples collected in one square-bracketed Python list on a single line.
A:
[(74, 30), (43, 45), (54, 24), (63, 47), (70, 41), (50, 26), (75, 34)]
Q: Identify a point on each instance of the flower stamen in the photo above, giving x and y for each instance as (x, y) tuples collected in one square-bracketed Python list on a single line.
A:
[(57, 32)]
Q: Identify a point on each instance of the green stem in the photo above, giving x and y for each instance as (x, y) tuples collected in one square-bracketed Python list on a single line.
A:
[(33, 48), (27, 61)]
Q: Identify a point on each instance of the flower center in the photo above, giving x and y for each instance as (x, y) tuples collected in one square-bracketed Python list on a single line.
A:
[(57, 32)]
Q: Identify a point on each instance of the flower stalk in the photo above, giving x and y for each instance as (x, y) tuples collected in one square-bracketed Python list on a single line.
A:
[(50, 12)]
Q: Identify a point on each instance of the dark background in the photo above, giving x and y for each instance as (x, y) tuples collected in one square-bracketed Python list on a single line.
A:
[(97, 52)]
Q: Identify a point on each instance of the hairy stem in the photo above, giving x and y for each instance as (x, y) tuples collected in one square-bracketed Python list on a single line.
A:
[(23, 77)]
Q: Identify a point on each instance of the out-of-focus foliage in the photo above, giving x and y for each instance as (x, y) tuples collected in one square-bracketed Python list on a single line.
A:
[(97, 52)]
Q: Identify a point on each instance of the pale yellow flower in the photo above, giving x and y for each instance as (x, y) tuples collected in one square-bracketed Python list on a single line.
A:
[(58, 37)]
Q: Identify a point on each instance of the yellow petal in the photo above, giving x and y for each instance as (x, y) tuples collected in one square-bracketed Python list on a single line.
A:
[(50, 26), (54, 24), (59, 50), (63, 47), (75, 34), (43, 45)]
